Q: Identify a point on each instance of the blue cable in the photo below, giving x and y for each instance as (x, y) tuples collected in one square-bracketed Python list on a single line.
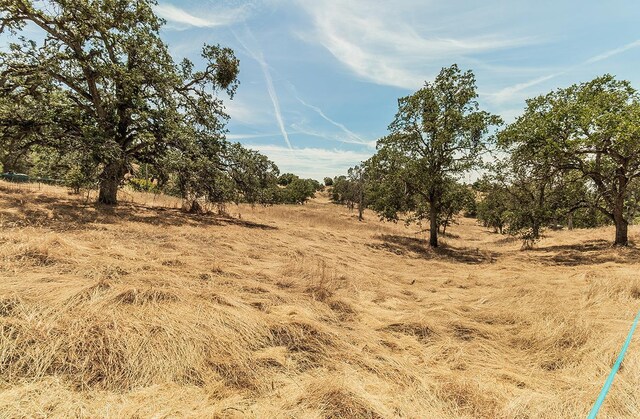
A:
[(614, 370)]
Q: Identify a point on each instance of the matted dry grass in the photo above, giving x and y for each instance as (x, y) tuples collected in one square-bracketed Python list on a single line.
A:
[(302, 311)]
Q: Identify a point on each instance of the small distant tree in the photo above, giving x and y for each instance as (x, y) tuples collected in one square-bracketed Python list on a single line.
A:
[(633, 202), (73, 168), (438, 133), (298, 191), (341, 193), (317, 186), (350, 190), (493, 205), (328, 181), (357, 177), (253, 175), (470, 209), (457, 198)]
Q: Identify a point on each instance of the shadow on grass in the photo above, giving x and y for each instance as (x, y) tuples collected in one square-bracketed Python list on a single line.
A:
[(67, 214), (590, 252), (402, 245), (440, 234)]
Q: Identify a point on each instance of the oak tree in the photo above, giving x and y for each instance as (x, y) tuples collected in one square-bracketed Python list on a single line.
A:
[(132, 103), (592, 129), (438, 133)]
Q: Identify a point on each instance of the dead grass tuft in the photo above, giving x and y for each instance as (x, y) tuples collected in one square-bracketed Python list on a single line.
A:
[(466, 333), (147, 296), (303, 339), (236, 375), (336, 402), (9, 306), (95, 291), (36, 257), (343, 309), (320, 292), (421, 331), (469, 399), (302, 311)]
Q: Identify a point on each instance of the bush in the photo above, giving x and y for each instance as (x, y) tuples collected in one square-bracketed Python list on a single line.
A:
[(143, 185), (297, 192), (79, 177)]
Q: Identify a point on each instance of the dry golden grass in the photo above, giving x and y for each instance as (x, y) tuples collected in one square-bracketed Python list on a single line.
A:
[(302, 311)]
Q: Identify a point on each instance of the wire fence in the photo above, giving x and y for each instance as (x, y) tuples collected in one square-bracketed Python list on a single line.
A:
[(86, 196), (23, 178)]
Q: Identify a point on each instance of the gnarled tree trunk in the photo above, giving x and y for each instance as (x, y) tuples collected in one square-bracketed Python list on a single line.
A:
[(622, 225), (110, 180), (619, 216)]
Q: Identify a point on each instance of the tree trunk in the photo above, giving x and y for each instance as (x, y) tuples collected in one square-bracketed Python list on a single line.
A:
[(570, 222), (109, 181), (619, 216), (433, 231), (361, 205), (535, 231), (622, 225), (621, 233), (194, 207)]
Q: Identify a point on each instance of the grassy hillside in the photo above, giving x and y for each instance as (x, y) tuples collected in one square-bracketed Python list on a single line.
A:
[(302, 311)]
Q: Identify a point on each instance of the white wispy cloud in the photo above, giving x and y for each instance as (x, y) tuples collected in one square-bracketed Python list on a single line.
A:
[(511, 92), (301, 127), (315, 163), (274, 98), (209, 19), (379, 44), (273, 95), (508, 93), (613, 52), (351, 137)]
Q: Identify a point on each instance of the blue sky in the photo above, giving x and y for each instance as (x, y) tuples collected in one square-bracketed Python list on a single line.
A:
[(320, 79)]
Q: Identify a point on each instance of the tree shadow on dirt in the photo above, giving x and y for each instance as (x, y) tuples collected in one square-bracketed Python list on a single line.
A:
[(401, 245), (69, 214), (506, 239), (447, 235), (590, 252)]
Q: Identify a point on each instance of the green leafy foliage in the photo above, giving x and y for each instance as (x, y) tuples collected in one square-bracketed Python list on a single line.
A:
[(298, 191), (102, 83), (438, 133), (589, 130), (456, 199), (286, 178), (142, 185), (75, 169), (351, 190), (493, 205)]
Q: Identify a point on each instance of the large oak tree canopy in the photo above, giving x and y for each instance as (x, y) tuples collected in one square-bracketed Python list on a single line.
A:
[(590, 129), (109, 86)]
